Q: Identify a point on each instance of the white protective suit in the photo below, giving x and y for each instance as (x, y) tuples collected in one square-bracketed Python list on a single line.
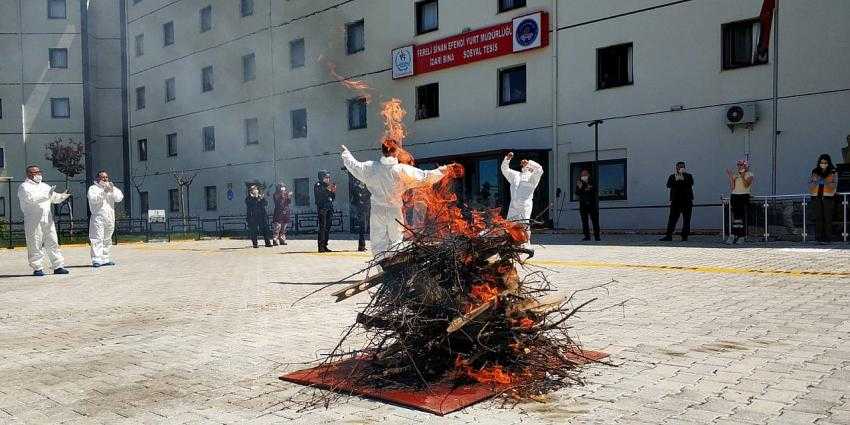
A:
[(102, 222), (387, 180), (523, 185), (36, 200)]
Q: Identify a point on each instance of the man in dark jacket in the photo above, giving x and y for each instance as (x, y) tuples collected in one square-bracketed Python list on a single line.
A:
[(586, 193), (362, 205), (681, 185), (325, 193), (255, 205)]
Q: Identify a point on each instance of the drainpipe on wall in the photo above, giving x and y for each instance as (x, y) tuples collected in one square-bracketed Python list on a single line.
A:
[(125, 113), (775, 96), (87, 133), (556, 157)]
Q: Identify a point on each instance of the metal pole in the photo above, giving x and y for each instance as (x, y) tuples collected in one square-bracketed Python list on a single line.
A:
[(766, 232), (9, 185), (722, 218), (595, 125), (775, 96), (804, 234), (845, 218)]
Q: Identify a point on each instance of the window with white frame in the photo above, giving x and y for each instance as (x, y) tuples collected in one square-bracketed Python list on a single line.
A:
[(142, 145), (740, 44), (140, 98), (140, 44), (171, 144), (207, 79), (614, 66), (512, 87)]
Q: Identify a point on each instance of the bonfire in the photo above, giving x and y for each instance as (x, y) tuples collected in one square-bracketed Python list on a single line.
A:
[(450, 307)]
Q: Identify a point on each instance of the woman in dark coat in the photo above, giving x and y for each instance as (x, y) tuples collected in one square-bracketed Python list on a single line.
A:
[(282, 214), (256, 216)]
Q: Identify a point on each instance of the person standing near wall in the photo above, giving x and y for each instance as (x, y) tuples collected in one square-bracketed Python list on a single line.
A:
[(325, 193), (37, 200), (362, 204), (282, 214), (586, 193), (103, 196), (255, 205), (681, 185), (741, 185), (523, 184), (822, 188)]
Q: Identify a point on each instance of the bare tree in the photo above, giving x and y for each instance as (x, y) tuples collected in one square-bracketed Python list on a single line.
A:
[(183, 180), (138, 181)]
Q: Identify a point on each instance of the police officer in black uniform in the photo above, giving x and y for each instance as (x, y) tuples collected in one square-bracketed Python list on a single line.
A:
[(362, 206), (325, 193)]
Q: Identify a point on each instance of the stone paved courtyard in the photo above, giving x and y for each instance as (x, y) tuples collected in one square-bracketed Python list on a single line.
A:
[(198, 332)]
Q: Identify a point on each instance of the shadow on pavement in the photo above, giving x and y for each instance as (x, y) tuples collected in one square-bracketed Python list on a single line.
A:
[(343, 282), (696, 241)]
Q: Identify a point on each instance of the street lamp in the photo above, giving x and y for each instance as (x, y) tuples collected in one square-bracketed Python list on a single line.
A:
[(595, 125)]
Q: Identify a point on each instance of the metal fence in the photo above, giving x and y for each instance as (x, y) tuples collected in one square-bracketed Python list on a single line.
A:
[(136, 229), (786, 217)]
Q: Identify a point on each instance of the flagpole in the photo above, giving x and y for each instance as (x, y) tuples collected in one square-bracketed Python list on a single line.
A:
[(775, 95)]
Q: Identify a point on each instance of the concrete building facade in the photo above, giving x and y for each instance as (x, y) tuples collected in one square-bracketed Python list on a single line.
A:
[(60, 79), (249, 91)]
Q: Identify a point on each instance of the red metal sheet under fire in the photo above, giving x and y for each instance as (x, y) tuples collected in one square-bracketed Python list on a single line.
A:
[(441, 398)]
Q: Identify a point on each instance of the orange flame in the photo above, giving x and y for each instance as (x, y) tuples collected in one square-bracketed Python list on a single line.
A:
[(487, 375), (524, 323), (484, 292), (354, 85)]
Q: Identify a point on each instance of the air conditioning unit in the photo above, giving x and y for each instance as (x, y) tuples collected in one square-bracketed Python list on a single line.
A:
[(744, 114)]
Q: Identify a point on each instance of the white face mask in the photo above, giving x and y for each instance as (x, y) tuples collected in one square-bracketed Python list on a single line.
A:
[(102, 183), (585, 178), (37, 178), (823, 166)]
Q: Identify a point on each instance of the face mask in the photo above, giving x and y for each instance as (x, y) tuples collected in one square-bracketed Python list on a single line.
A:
[(742, 170), (37, 178), (682, 170), (102, 183), (585, 178), (823, 166)]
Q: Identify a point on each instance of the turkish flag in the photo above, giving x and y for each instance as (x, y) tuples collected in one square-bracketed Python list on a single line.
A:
[(766, 19)]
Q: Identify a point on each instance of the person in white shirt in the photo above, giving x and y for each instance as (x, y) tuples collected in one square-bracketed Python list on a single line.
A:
[(36, 199), (387, 180), (522, 185), (741, 185), (103, 196)]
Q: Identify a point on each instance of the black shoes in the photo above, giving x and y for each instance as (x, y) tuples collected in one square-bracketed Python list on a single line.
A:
[(666, 239), (38, 273), (60, 270)]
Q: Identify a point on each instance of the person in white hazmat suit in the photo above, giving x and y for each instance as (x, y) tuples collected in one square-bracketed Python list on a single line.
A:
[(522, 185), (103, 196), (387, 180), (36, 199)]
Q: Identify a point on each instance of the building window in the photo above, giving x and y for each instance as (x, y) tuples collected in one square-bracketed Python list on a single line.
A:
[(58, 58), (299, 123), (357, 113), (302, 192), (140, 98), (296, 53), (612, 179), (1, 109), (427, 16), (512, 85), (740, 44), (2, 158), (135, 2), (140, 45), (173, 200), (171, 144), (2, 204), (252, 131), (506, 5), (57, 9), (168, 33), (246, 7), (60, 107), (614, 66), (355, 37), (209, 138), (249, 66), (170, 90), (144, 203), (142, 145), (207, 79), (428, 101), (206, 19), (211, 196)]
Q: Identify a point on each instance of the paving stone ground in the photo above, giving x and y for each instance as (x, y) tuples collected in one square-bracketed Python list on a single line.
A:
[(198, 332)]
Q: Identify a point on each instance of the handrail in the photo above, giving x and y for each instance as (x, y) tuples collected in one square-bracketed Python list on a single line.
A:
[(804, 199)]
